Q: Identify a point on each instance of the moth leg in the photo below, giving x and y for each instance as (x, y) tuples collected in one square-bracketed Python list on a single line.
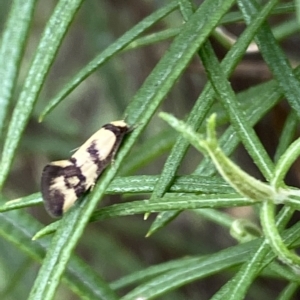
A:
[(92, 186)]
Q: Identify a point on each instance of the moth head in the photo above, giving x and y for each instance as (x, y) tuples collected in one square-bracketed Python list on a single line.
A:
[(119, 128), (120, 123)]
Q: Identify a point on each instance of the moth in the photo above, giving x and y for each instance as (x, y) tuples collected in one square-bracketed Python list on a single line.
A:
[(64, 181)]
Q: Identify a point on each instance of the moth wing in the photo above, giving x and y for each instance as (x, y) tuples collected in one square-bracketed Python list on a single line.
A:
[(94, 155), (61, 185)]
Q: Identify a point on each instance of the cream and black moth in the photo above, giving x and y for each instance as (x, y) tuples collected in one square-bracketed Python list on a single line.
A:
[(64, 181)]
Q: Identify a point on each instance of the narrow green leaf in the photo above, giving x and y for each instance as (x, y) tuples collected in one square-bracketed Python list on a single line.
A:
[(274, 56), (18, 228), (193, 34), (108, 53), (198, 114), (153, 271), (224, 259), (238, 179), (289, 292), (285, 162), (287, 134), (148, 151), (153, 38), (218, 217), (44, 56), (262, 99), (187, 273), (171, 203), (141, 184), (11, 50), (31, 200), (267, 215), (174, 202), (237, 117), (237, 287), (62, 244)]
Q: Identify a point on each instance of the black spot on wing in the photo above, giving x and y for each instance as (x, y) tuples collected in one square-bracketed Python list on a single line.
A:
[(55, 206), (95, 153), (95, 157), (53, 198), (75, 171), (73, 174), (73, 160)]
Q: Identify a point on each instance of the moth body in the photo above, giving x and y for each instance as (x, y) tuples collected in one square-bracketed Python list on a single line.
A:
[(64, 181)]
